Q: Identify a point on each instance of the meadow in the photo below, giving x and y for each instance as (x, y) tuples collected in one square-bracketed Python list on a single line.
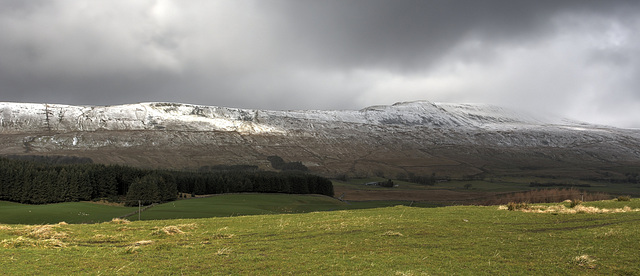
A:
[(227, 205), (224, 205), (69, 212), (399, 240)]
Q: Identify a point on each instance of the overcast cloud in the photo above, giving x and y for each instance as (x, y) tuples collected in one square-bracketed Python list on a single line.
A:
[(578, 59)]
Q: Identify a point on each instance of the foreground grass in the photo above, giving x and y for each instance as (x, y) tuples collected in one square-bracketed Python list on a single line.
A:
[(384, 241)]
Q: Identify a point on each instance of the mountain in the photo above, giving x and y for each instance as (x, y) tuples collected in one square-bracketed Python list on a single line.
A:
[(417, 138)]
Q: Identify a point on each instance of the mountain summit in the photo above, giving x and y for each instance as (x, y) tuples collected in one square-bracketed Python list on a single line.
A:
[(403, 138)]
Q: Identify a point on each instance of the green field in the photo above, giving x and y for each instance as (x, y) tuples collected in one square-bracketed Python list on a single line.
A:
[(251, 204), (241, 204), (70, 212), (467, 240), (214, 206)]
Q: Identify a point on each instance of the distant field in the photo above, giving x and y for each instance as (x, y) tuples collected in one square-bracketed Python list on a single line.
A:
[(259, 204), (455, 192), (467, 240), (242, 204), (70, 212), (215, 206)]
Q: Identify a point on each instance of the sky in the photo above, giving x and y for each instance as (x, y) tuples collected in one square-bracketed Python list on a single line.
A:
[(577, 59)]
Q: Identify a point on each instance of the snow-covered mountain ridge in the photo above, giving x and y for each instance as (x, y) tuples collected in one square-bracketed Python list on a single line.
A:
[(21, 117), (411, 137)]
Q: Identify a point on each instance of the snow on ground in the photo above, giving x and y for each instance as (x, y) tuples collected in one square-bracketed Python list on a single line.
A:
[(21, 117)]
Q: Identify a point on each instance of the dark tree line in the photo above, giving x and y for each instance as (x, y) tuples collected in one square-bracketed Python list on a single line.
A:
[(154, 187), (419, 179), (259, 182), (39, 183)]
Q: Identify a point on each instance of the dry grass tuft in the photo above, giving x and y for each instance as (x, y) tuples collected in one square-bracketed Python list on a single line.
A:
[(63, 223), (189, 226), (585, 261), (119, 221), (21, 241), (174, 229), (5, 227), (42, 236), (51, 243), (41, 232), (168, 230), (578, 209), (135, 247), (143, 242), (224, 251), (17, 242)]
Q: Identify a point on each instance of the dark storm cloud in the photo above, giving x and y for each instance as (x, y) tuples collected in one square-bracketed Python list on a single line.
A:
[(399, 34), (412, 34), (575, 58)]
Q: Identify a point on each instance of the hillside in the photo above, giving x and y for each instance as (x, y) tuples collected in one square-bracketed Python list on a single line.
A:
[(418, 138)]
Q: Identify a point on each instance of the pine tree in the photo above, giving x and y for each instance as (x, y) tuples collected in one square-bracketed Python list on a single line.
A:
[(85, 190), (62, 186), (144, 189)]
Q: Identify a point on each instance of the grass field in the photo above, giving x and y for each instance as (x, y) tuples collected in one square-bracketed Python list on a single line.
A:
[(215, 206), (70, 212), (467, 240), (255, 204), (240, 204)]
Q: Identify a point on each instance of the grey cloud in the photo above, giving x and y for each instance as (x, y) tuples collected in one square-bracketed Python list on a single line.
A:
[(322, 54), (412, 34)]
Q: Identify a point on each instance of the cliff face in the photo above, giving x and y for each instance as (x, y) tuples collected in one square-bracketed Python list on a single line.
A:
[(414, 137)]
